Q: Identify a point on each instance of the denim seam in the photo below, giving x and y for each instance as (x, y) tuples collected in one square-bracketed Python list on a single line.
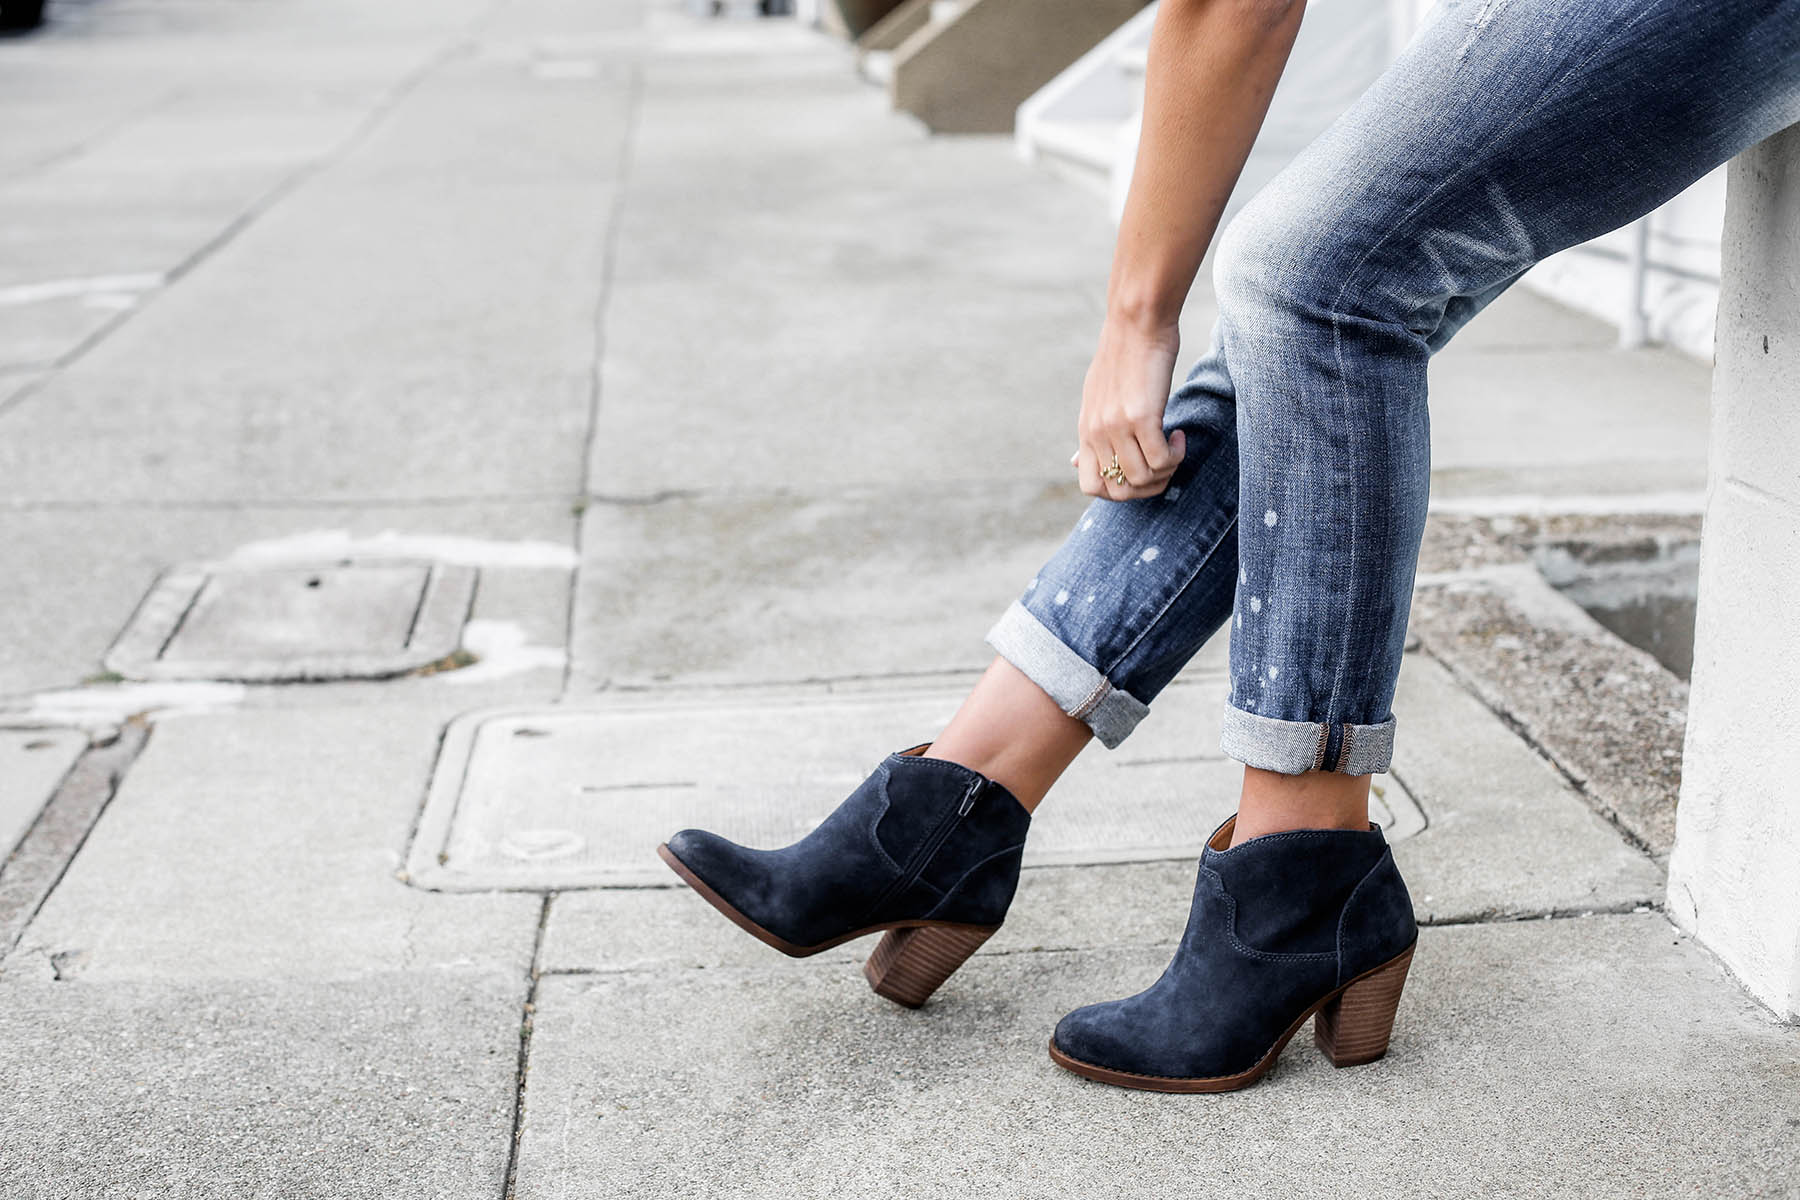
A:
[(1319, 754), (1349, 742), (1337, 339), (1173, 597), (1021, 624), (1092, 701), (1369, 744)]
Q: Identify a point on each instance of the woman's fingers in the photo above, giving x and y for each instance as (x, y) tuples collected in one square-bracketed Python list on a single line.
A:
[(1092, 464), (1138, 475), (1132, 481), (1089, 470), (1124, 398), (1161, 455), (1146, 470)]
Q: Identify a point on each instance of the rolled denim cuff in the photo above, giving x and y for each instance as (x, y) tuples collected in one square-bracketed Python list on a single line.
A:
[(1294, 747), (1077, 687)]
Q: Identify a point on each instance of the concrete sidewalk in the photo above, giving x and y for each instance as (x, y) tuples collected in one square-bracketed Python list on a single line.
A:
[(750, 404)]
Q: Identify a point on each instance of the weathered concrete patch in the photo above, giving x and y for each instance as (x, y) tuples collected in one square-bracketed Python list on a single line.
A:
[(326, 620), (553, 798), (1508, 836), (397, 1085), (1607, 713), (1649, 1075)]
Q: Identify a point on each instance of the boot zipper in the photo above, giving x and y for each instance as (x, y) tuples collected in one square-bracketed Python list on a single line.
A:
[(916, 862)]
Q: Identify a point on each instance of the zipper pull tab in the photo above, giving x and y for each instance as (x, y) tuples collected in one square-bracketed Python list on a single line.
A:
[(968, 800)]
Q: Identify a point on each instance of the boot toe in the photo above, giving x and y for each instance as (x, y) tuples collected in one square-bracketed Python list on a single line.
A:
[(1099, 1035), (748, 881), (718, 861), (1142, 1035), (694, 847)]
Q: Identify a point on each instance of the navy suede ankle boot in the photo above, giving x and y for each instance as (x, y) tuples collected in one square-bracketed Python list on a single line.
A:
[(925, 849), (1313, 923)]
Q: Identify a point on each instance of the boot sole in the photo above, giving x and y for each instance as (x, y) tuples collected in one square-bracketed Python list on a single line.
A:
[(1352, 1027), (911, 962)]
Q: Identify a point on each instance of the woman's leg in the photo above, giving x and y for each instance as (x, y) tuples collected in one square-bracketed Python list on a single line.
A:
[(1510, 129)]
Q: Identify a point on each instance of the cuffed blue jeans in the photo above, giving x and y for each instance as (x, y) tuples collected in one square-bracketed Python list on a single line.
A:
[(1507, 130)]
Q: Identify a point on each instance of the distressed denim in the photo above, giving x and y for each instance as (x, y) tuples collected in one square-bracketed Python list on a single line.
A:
[(1507, 130)]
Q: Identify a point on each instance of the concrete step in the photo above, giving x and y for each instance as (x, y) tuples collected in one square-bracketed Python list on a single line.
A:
[(876, 66), (968, 70), (1081, 123), (1081, 152)]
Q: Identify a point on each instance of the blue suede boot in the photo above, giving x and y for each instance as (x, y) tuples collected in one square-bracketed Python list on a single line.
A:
[(1314, 923), (924, 849)]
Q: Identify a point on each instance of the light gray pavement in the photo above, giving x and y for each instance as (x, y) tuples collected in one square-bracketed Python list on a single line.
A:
[(740, 394), (1552, 1058)]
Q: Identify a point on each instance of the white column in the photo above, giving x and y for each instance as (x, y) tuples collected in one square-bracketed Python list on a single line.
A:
[(1734, 876)]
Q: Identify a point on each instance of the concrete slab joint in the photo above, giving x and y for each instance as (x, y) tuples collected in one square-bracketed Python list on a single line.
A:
[(33, 763), (577, 796), (571, 797), (348, 619)]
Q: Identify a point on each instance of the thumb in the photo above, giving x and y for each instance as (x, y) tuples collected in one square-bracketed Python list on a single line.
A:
[(1178, 443)]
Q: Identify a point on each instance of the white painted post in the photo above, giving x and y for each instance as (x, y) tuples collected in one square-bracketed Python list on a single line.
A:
[(1634, 323), (1734, 876)]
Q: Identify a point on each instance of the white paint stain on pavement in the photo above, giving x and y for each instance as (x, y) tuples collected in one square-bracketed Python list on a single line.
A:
[(103, 291), (325, 544), (109, 704), (500, 649)]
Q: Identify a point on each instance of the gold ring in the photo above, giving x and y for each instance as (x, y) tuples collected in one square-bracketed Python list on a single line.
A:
[(1113, 472)]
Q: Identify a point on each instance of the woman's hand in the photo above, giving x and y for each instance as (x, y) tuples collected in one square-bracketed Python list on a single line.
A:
[(1122, 402), (1210, 71)]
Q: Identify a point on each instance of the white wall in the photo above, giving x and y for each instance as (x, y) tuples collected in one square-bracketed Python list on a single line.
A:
[(1680, 298), (1734, 876)]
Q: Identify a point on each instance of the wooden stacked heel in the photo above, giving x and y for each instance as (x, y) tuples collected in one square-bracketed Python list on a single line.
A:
[(910, 964), (1353, 1027)]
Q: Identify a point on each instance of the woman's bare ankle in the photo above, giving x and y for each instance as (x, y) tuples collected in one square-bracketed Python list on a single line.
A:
[(1013, 733), (1271, 802)]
